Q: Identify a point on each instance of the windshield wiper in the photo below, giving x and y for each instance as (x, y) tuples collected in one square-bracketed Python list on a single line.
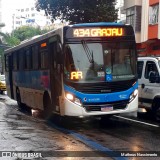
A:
[(88, 52)]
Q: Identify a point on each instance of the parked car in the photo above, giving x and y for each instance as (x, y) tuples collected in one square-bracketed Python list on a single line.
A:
[(149, 84), (2, 84)]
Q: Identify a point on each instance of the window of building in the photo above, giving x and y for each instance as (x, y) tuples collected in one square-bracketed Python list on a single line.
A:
[(18, 22), (153, 14), (33, 14), (130, 13), (133, 17), (27, 9), (22, 10)]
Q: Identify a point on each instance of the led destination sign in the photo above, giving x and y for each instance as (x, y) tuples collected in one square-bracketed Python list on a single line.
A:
[(98, 32)]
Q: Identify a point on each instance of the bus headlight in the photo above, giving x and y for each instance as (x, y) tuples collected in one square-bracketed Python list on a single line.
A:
[(73, 99), (69, 96), (134, 94)]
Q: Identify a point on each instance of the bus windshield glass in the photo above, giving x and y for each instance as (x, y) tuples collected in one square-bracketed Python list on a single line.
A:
[(103, 61)]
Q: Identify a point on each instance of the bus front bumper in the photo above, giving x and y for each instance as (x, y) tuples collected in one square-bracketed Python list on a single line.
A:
[(72, 109)]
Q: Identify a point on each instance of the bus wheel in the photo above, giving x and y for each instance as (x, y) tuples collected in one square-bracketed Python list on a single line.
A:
[(47, 113), (155, 112), (18, 97)]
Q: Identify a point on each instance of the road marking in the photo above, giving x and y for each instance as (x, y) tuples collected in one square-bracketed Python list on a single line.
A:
[(149, 124)]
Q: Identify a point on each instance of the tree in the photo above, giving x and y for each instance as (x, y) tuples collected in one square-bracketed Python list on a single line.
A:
[(80, 11), (15, 38), (20, 34), (2, 25), (11, 40), (26, 32)]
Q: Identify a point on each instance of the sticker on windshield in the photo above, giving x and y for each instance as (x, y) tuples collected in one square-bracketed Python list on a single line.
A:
[(109, 78), (108, 70), (100, 74)]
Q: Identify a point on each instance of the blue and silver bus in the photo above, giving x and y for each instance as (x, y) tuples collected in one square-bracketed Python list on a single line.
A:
[(84, 69)]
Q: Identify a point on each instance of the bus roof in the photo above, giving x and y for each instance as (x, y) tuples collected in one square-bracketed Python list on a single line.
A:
[(99, 24)]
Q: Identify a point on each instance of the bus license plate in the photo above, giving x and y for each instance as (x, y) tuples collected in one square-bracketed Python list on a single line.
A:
[(106, 109)]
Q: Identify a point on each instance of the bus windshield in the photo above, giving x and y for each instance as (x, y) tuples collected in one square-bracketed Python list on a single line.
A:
[(103, 61)]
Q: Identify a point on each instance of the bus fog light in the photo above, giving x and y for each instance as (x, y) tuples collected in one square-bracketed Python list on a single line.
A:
[(77, 101), (69, 96), (135, 92), (133, 95)]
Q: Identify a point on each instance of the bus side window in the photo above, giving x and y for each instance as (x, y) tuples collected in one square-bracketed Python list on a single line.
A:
[(15, 60), (28, 59), (35, 57), (21, 59), (6, 63), (44, 59)]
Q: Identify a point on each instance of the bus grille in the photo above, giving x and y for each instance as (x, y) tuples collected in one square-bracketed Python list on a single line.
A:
[(102, 87), (97, 107)]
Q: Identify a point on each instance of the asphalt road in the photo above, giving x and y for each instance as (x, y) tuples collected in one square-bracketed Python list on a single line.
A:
[(131, 137)]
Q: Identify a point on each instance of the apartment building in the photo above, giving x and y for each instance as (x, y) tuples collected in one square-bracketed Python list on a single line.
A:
[(17, 13), (132, 10), (30, 16), (151, 28), (144, 16)]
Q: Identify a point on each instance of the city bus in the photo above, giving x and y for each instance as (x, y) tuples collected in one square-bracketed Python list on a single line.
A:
[(80, 70)]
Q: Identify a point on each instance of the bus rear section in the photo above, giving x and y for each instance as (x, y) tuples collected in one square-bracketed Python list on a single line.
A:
[(100, 75)]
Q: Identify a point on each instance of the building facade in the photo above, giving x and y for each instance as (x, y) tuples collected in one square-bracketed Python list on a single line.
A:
[(23, 13), (151, 23), (144, 16), (30, 16), (133, 10)]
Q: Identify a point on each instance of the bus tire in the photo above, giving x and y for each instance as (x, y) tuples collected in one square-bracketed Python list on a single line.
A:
[(18, 97), (155, 110), (47, 113)]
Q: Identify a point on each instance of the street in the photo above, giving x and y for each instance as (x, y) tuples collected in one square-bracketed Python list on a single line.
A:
[(21, 132)]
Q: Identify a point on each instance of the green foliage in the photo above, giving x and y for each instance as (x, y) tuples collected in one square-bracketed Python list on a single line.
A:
[(26, 32), (20, 34), (11, 40), (80, 11)]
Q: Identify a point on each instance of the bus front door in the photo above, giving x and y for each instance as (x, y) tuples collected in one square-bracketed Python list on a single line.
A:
[(55, 74), (10, 76)]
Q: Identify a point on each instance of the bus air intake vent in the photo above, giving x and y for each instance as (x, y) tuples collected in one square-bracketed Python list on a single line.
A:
[(102, 87)]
